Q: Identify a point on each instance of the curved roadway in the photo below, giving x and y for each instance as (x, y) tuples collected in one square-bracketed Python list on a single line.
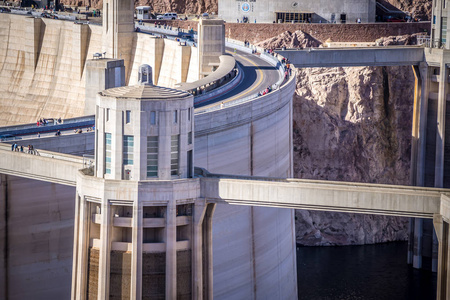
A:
[(258, 75)]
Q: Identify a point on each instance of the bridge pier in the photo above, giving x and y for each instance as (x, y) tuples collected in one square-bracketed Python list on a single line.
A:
[(441, 227), (430, 166)]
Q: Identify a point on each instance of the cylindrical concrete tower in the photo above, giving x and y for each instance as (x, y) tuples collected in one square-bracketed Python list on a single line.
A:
[(141, 231)]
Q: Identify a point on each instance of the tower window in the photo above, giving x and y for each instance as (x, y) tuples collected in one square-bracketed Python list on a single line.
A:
[(107, 114), (175, 116), (107, 153), (152, 117), (174, 149), (127, 116), (128, 146), (152, 156)]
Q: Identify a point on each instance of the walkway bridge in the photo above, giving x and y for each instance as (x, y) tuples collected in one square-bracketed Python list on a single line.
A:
[(355, 57), (321, 195)]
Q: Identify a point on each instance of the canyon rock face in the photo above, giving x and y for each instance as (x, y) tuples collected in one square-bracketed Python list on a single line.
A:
[(407, 39), (352, 124), (418, 8), (298, 39), (161, 6)]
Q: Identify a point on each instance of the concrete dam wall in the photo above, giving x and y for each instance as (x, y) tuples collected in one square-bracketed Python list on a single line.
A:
[(42, 66), (42, 75)]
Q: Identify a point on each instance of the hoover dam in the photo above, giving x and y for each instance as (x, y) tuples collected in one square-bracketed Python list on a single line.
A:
[(47, 71)]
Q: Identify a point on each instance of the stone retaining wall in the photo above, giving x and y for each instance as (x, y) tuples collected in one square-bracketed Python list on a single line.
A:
[(337, 32)]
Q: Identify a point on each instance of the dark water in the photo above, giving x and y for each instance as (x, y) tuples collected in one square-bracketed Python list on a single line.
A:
[(361, 272)]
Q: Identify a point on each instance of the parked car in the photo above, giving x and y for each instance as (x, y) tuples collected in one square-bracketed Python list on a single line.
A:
[(167, 16)]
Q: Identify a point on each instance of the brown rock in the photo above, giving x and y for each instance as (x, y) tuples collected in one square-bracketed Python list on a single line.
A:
[(352, 124), (298, 39), (420, 9)]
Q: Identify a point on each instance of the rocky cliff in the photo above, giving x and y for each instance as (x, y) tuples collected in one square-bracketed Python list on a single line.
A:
[(417, 8), (350, 124), (161, 6)]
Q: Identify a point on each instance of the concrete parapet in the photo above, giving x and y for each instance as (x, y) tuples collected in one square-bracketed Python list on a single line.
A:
[(224, 71)]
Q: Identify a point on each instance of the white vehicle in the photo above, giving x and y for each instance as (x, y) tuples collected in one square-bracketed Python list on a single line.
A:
[(167, 16)]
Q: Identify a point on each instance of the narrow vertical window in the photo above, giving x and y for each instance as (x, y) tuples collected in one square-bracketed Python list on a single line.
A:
[(174, 149), (107, 153), (189, 114), (128, 116), (107, 114), (175, 116), (189, 138), (107, 15), (128, 146), (152, 117), (152, 156)]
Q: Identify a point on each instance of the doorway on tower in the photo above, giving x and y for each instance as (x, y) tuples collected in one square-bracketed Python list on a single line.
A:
[(343, 18), (294, 17)]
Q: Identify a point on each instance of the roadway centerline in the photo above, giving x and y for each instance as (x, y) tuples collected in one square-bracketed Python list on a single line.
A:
[(261, 78)]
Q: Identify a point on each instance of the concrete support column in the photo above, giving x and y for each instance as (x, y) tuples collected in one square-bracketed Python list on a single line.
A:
[(435, 253), (82, 249), (171, 251), (3, 237), (418, 233), (197, 257), (136, 256), (440, 130), (443, 279), (207, 245), (411, 241), (105, 252), (76, 241), (420, 126)]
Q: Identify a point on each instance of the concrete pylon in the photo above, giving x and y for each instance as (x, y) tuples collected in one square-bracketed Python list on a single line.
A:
[(118, 31)]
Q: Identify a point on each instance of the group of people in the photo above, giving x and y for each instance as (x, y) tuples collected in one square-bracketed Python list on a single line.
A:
[(266, 91), (17, 148), (287, 67)]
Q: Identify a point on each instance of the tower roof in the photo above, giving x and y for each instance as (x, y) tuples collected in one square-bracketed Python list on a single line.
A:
[(145, 92)]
